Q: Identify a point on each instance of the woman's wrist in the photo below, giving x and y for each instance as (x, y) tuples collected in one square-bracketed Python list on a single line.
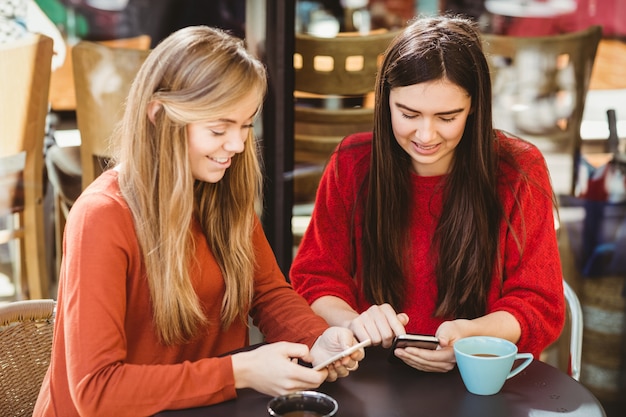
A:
[(499, 324), (241, 366), (335, 311)]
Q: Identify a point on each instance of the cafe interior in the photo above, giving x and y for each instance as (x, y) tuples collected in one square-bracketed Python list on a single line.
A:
[(558, 72)]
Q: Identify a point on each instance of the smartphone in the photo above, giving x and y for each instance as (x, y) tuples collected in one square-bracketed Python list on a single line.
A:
[(412, 340), (342, 354), (415, 340)]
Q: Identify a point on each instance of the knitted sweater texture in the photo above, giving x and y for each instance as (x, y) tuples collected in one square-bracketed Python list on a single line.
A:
[(532, 290), (107, 359)]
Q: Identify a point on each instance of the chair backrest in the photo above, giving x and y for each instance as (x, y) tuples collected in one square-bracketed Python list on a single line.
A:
[(141, 42), (339, 73), (62, 91), (25, 67), (26, 329), (539, 86), (102, 76), (342, 65), (334, 70)]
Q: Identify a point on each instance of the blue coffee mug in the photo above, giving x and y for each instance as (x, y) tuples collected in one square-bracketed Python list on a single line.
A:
[(485, 363)]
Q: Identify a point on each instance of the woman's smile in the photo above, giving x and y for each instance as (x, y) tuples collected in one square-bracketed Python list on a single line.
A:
[(426, 149), (221, 161)]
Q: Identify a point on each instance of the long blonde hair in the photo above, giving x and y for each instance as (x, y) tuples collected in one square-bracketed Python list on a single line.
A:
[(195, 74)]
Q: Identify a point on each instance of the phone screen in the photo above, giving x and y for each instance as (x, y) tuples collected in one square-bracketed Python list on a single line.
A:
[(423, 344), (342, 354), (412, 340)]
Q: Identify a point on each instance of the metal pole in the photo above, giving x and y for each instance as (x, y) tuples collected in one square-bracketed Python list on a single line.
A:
[(276, 50)]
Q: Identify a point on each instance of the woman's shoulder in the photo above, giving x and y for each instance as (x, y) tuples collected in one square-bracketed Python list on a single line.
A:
[(521, 162), (102, 194), (514, 150), (101, 213), (354, 151), (347, 167)]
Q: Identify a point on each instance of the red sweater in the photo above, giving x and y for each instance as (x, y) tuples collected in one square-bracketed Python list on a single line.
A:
[(533, 293), (107, 359)]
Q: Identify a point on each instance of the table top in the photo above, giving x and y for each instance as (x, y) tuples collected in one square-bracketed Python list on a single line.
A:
[(383, 389)]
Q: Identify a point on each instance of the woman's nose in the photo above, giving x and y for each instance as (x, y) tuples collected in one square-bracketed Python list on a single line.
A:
[(235, 143), (425, 131)]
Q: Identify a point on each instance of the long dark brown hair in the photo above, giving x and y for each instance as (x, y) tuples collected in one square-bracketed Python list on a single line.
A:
[(429, 49)]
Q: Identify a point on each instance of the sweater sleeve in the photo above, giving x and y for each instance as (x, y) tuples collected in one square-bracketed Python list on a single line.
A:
[(325, 259), (532, 289), (277, 310)]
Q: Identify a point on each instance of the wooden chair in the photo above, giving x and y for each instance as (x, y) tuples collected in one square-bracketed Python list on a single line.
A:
[(103, 74), (26, 329), (539, 89), (62, 90), (334, 78), (25, 67), (102, 77)]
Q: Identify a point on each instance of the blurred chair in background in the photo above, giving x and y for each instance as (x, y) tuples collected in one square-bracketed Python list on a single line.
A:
[(103, 73), (25, 67), (575, 317), (334, 79), (540, 86), (62, 86), (539, 89), (334, 83), (26, 329)]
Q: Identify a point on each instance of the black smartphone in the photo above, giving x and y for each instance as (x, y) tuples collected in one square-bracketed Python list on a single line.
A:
[(414, 340)]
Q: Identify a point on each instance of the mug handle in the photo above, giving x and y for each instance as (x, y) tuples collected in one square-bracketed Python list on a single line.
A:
[(528, 359)]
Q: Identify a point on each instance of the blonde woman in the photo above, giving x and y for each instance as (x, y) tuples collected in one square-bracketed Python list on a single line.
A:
[(164, 257)]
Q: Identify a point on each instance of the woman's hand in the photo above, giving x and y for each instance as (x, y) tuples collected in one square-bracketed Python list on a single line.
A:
[(499, 324), (333, 341), (441, 359), (380, 324), (273, 369)]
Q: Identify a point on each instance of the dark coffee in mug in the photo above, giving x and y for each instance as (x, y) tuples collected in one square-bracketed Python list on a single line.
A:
[(302, 404), (485, 355)]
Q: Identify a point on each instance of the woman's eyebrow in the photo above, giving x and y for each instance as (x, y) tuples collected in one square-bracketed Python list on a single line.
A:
[(443, 113)]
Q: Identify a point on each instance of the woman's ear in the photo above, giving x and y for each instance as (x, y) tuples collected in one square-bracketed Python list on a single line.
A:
[(153, 109)]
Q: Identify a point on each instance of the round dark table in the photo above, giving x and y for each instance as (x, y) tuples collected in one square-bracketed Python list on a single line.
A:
[(383, 389)]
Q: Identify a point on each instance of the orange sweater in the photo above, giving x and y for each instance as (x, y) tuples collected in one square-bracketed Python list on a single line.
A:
[(106, 357)]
